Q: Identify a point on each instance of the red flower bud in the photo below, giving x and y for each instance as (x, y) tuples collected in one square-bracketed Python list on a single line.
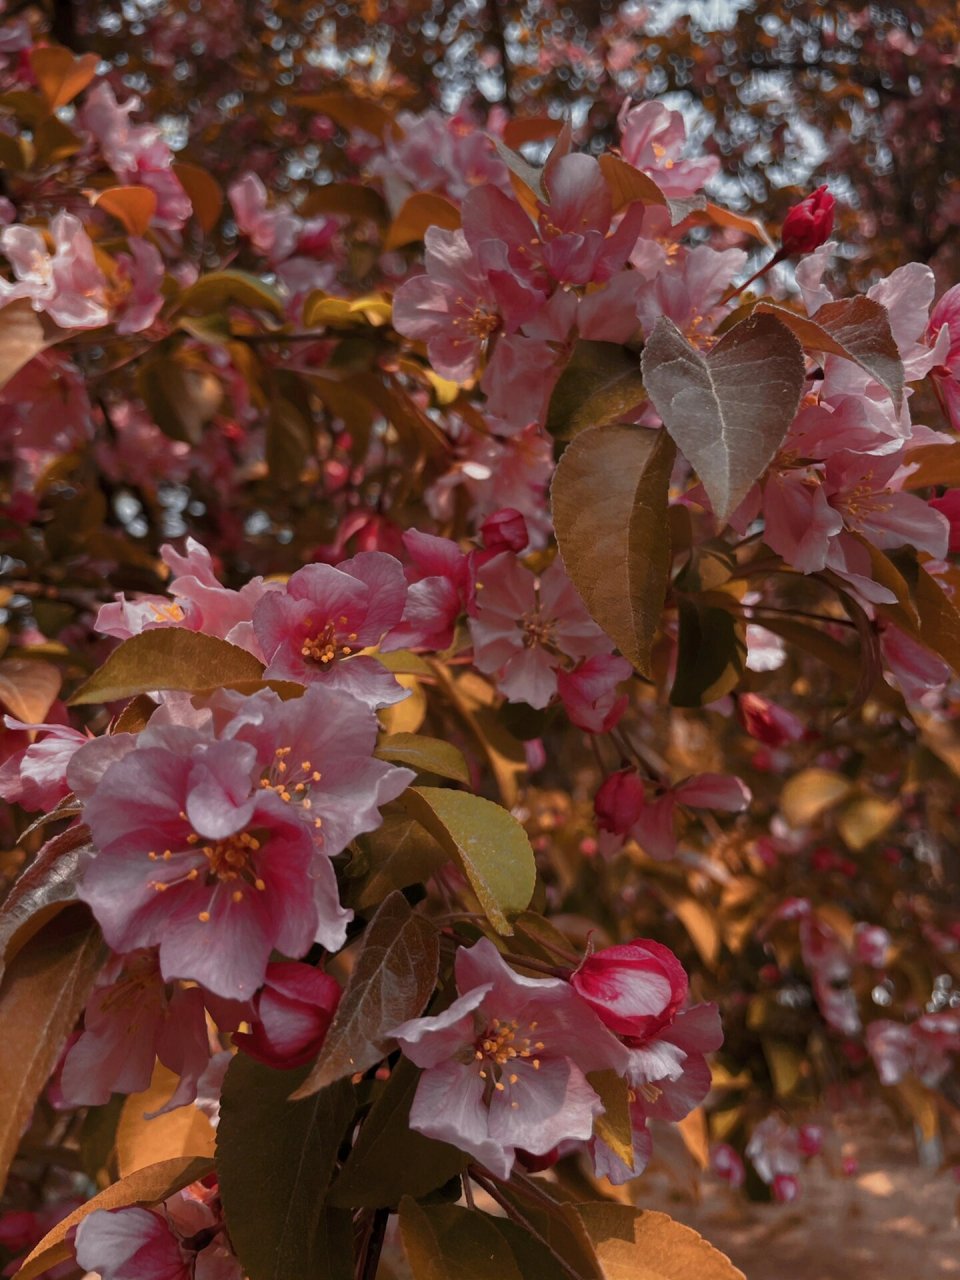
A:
[(293, 1010), (949, 506), (619, 802), (505, 530), (635, 988), (809, 223)]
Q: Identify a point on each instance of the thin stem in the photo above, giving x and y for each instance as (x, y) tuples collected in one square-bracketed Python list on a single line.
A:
[(735, 290), (468, 1192)]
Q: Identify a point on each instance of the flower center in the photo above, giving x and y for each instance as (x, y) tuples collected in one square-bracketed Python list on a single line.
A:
[(325, 645), (292, 780), (477, 321), (501, 1046), (536, 630), (230, 862)]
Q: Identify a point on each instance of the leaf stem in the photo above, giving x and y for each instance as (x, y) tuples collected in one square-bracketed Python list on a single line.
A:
[(373, 1245), (514, 1214)]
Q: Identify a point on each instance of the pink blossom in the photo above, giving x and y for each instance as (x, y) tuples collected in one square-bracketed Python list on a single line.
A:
[(774, 1149), (635, 988), (871, 944), (67, 284), (829, 964), (440, 587), (575, 245), (504, 1065), (946, 314), (920, 674), (137, 153), (949, 505), (689, 290), (291, 1014), (786, 1188), (36, 778), (655, 830), (457, 305), (589, 692), (435, 152), (194, 856), (653, 139), (527, 627), (45, 407), (314, 628), (140, 279), (133, 1018), (183, 1239), (271, 232)]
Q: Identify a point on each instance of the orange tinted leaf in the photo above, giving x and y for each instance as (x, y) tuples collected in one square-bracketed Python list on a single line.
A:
[(41, 996), (142, 1142), (133, 206), (204, 192), (628, 185), (60, 75), (28, 687), (24, 333), (421, 210), (641, 1244), (144, 1187)]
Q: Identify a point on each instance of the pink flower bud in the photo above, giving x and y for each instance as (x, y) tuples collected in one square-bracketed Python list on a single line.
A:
[(635, 988), (505, 530), (293, 1010), (619, 802), (726, 1164), (786, 1188), (767, 722), (810, 1139), (809, 223)]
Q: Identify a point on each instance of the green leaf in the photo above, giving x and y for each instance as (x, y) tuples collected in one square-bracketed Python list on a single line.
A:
[(613, 1125), (213, 291), (146, 1187), (641, 1244), (600, 384), (393, 979), (444, 1242), (44, 988), (169, 658), (711, 654), (275, 1159), (426, 755), (490, 845), (857, 328), (399, 853), (728, 409), (389, 1159), (609, 501)]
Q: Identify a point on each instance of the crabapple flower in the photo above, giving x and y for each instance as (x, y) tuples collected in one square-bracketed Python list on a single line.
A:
[(291, 1014), (589, 692), (655, 828), (140, 276), (36, 778), (184, 1239), (526, 628), (505, 530), (774, 1150), (67, 284), (504, 1067), (767, 722), (440, 586), (137, 153), (313, 629), (949, 505), (458, 304), (652, 139), (829, 963), (133, 1018), (946, 375), (808, 224)]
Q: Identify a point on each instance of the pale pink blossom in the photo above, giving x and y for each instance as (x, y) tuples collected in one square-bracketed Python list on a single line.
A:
[(313, 630), (504, 1067), (140, 278), (774, 1149), (137, 153), (655, 828), (653, 139), (526, 628), (133, 1018), (946, 316), (440, 588), (67, 284), (589, 692), (36, 778)]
